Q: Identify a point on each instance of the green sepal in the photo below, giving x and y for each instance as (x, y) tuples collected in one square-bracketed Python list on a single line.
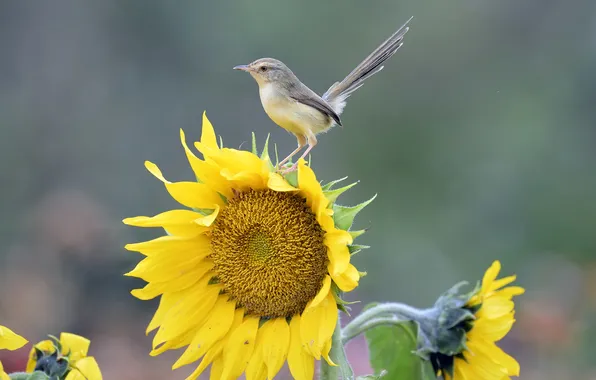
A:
[(355, 248), (357, 233), (328, 186), (265, 152), (276, 154), (343, 216), (205, 211), (254, 144), (56, 342), (292, 178), (332, 195)]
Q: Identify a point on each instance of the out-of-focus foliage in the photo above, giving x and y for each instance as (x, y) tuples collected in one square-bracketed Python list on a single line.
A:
[(479, 136)]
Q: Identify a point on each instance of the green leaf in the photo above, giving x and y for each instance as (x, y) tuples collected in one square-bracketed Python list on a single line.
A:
[(292, 178), (332, 195), (357, 233), (254, 144), (392, 348), (343, 216), (355, 248), (265, 152), (328, 186)]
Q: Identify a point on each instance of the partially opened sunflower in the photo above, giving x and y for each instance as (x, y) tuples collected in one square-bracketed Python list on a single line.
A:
[(251, 268)]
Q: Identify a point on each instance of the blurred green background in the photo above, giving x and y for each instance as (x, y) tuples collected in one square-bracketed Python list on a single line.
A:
[(479, 137)]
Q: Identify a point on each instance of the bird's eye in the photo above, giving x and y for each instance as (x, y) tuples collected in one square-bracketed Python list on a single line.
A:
[(263, 68)]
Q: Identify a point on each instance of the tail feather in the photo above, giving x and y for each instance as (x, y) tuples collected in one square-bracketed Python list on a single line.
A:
[(337, 94)]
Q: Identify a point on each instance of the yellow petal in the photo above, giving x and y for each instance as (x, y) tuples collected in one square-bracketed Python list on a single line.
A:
[(176, 222), (77, 345), (189, 194), (498, 284), (338, 237), (277, 183), (239, 348), (276, 339), (348, 280), (9, 340), (208, 137), (198, 245), (337, 250), (217, 368), (256, 368), (206, 172), (3, 375), (495, 307), (216, 326), (179, 341), (189, 312), (300, 361), (86, 369), (208, 220), (245, 180), (184, 280), (311, 188), (490, 275), (458, 374), (510, 292), (163, 268), (155, 289), (215, 351), (325, 353), (317, 325), (491, 329), (506, 360), (323, 292), (483, 363), (325, 219), (166, 302)]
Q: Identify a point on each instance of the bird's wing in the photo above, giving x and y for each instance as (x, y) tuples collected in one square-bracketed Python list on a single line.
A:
[(313, 100)]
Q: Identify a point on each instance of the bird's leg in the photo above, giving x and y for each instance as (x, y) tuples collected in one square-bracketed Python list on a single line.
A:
[(301, 144), (312, 141)]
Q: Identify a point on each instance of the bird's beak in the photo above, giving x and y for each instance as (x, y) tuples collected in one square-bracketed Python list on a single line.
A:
[(242, 67)]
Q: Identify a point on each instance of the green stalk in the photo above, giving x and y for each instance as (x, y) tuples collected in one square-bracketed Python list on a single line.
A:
[(338, 356)]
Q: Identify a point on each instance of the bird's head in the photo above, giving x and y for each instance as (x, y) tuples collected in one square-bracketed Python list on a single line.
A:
[(267, 70)]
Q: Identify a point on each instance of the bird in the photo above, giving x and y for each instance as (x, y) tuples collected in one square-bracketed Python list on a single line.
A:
[(290, 104)]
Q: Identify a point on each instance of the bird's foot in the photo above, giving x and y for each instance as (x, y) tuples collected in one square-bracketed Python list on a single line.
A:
[(287, 170)]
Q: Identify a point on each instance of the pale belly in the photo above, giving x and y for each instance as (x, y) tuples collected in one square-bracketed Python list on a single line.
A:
[(293, 116)]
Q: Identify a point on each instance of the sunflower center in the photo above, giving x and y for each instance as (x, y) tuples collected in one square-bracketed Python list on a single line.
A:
[(268, 252), (258, 244)]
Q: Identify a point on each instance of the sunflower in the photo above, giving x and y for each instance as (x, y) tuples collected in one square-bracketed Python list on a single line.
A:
[(9, 340), (250, 271), (65, 358), (493, 316)]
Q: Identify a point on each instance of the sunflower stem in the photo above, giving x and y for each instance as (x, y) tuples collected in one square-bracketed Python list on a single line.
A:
[(351, 331), (19, 376), (37, 375), (338, 355), (384, 313)]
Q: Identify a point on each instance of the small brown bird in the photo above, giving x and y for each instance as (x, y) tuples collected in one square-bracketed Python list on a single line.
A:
[(298, 109)]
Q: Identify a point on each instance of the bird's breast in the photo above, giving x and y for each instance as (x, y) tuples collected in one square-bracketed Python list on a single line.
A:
[(291, 115)]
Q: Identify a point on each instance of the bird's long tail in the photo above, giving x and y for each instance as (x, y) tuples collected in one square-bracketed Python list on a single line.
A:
[(337, 94)]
